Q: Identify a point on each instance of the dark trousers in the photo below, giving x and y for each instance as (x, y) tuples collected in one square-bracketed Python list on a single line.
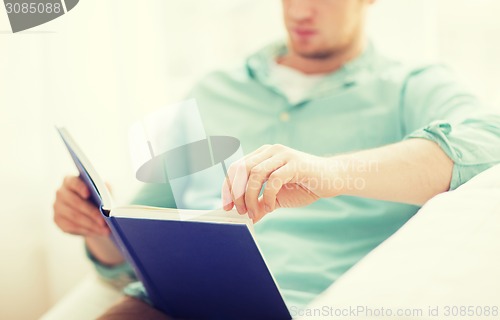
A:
[(130, 308)]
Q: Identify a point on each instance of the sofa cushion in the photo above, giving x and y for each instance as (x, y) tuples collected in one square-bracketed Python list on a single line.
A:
[(445, 257)]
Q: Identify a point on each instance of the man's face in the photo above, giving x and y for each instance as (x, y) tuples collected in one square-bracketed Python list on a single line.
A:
[(317, 29)]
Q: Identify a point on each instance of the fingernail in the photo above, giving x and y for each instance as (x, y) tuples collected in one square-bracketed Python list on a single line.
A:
[(268, 208), (250, 214)]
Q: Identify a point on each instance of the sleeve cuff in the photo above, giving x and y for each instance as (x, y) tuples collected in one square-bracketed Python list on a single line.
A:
[(137, 290), (470, 147), (118, 276)]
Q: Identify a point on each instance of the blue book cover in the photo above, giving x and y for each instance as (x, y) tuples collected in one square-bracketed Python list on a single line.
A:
[(194, 264)]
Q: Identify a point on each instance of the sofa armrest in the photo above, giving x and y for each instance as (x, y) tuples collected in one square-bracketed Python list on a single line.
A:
[(88, 300), (446, 255)]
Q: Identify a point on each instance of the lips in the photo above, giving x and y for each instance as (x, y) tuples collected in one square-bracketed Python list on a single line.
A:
[(304, 32)]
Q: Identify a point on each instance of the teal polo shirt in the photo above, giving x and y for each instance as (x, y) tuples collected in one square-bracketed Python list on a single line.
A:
[(370, 102)]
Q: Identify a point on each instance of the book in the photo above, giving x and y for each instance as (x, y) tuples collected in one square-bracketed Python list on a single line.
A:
[(194, 264)]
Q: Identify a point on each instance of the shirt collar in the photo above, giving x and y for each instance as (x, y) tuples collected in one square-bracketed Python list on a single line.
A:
[(259, 66)]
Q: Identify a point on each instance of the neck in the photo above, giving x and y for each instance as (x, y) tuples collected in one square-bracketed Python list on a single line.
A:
[(324, 65)]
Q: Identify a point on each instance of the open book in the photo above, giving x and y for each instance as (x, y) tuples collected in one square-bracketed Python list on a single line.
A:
[(194, 264)]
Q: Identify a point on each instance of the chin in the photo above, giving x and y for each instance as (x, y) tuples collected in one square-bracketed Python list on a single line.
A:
[(318, 54), (309, 51)]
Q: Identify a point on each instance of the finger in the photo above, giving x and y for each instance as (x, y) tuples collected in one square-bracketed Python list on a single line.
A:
[(257, 157), (248, 161), (77, 185), (260, 213), (275, 183), (240, 180), (240, 162), (258, 175), (238, 176), (74, 201), (233, 166), (80, 220), (72, 228), (66, 212), (227, 200), (257, 151), (238, 187), (231, 172), (62, 218)]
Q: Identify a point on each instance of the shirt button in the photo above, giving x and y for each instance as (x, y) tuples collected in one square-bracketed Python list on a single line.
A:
[(284, 117)]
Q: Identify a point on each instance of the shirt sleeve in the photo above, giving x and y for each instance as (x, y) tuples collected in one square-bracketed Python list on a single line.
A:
[(436, 107), (117, 276)]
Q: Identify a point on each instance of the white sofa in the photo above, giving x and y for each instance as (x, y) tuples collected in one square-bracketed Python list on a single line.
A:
[(447, 257), (87, 301)]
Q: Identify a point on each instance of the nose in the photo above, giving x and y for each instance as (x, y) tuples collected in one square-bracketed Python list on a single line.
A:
[(300, 9)]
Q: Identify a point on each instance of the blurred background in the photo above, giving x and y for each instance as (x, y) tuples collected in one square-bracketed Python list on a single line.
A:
[(107, 63)]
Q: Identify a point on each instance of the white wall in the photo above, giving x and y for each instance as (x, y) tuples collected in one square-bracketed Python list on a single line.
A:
[(469, 33), (107, 62)]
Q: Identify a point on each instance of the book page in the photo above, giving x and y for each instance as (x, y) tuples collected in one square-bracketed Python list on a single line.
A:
[(155, 213), (81, 159)]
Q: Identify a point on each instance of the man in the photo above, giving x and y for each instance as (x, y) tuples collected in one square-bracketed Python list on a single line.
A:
[(328, 94)]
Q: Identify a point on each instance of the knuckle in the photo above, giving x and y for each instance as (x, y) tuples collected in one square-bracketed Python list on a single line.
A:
[(282, 161), (273, 185), (278, 147), (74, 182), (238, 201), (275, 176), (248, 199), (256, 170), (61, 225), (266, 146), (59, 193), (230, 172), (68, 180), (268, 196), (75, 216), (72, 230), (240, 165), (269, 187), (232, 168), (250, 194)]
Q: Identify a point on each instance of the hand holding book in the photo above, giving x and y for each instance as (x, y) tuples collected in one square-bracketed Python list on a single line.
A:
[(74, 213), (203, 264)]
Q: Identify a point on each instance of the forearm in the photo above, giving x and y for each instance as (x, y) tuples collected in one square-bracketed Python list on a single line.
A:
[(411, 171), (104, 250)]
